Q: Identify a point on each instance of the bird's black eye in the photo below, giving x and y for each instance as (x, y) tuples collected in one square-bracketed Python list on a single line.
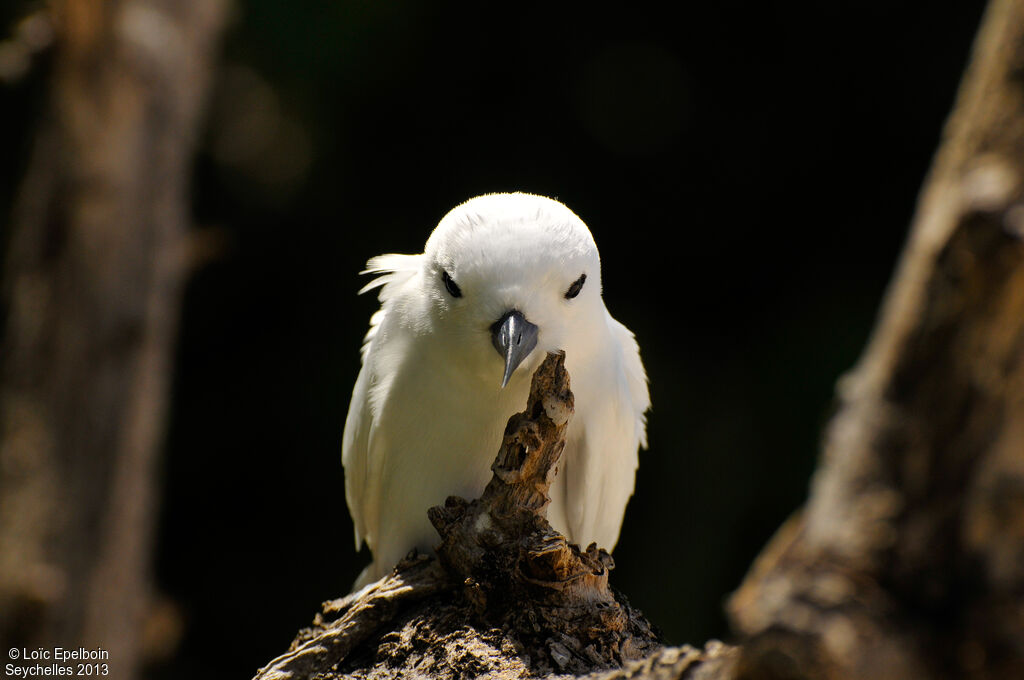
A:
[(452, 287), (576, 287)]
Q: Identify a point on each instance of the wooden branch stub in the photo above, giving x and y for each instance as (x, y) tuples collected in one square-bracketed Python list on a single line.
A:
[(533, 442), (508, 597), (509, 517), (517, 570)]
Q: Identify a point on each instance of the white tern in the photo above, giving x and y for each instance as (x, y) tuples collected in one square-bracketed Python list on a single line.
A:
[(503, 280)]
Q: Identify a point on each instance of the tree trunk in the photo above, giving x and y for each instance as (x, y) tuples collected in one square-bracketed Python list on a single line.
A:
[(908, 560), (92, 285)]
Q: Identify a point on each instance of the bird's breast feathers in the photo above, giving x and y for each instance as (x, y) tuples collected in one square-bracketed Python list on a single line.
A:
[(428, 409)]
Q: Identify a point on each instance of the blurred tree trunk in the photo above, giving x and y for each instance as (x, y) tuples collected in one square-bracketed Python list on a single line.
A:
[(92, 284), (908, 560)]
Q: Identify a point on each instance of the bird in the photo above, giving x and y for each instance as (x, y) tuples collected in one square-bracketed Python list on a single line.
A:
[(503, 280)]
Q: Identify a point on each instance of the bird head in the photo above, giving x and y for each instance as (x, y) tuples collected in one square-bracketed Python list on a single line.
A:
[(511, 277)]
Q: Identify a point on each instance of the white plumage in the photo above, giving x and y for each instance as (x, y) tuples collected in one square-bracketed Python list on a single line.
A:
[(428, 409)]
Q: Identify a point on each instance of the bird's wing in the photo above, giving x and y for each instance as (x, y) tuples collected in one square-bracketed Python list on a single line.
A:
[(361, 492), (601, 472), (636, 379)]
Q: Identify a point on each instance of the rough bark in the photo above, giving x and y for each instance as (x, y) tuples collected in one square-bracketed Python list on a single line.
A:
[(908, 560), (92, 280), (507, 596)]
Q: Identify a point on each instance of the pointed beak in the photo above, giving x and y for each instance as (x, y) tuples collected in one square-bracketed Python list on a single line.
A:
[(514, 337)]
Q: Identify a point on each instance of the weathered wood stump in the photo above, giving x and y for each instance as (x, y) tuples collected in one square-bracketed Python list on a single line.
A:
[(507, 596)]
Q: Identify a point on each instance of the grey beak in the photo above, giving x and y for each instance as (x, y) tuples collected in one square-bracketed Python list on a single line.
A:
[(514, 337)]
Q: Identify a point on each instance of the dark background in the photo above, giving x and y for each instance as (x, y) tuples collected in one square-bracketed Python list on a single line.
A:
[(748, 170)]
